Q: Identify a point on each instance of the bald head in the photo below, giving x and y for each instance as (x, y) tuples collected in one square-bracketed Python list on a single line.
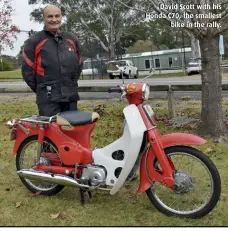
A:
[(52, 16), (50, 8)]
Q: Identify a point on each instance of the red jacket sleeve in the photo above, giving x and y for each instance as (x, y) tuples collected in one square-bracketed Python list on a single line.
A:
[(28, 65)]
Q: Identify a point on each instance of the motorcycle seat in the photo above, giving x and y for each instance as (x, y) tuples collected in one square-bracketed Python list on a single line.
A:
[(73, 118)]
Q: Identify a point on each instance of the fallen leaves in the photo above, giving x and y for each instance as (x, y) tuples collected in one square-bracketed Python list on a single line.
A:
[(184, 122), (57, 216), (93, 136), (54, 216), (209, 150), (189, 127), (100, 109), (18, 204)]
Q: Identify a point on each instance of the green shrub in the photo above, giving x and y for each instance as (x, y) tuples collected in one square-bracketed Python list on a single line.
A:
[(6, 65)]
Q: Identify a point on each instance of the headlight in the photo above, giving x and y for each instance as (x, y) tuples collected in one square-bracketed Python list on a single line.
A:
[(145, 91)]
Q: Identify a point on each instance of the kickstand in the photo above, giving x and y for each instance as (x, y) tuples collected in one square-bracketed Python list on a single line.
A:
[(82, 195)]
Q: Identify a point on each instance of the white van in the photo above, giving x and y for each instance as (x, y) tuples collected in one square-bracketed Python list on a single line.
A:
[(194, 67)]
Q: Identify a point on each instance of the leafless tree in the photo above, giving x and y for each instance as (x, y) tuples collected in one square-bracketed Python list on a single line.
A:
[(104, 20)]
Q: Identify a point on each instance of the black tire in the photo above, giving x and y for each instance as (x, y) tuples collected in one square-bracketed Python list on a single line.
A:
[(215, 177), (128, 76), (50, 192), (136, 75), (111, 76)]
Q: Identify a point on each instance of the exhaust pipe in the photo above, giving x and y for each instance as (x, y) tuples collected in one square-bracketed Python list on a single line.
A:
[(50, 178)]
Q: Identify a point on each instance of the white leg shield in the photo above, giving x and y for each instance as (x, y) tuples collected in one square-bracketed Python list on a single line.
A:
[(129, 145)]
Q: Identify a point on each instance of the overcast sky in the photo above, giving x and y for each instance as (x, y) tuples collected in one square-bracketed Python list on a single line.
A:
[(21, 18)]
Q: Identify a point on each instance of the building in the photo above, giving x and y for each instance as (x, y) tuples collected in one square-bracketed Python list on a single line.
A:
[(159, 60), (164, 59)]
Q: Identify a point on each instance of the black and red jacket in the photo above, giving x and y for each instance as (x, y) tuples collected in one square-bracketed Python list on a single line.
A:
[(52, 65)]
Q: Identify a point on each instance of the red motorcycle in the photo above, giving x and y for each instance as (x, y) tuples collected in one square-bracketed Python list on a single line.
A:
[(54, 152)]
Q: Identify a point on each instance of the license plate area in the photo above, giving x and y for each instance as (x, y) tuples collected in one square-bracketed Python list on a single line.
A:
[(116, 73)]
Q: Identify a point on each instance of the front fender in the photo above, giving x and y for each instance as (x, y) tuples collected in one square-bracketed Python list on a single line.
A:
[(181, 139), (148, 158)]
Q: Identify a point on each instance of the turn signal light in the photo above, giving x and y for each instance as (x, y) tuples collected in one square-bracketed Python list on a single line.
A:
[(131, 88)]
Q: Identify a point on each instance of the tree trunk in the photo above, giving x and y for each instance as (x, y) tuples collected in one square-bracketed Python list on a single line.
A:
[(211, 113), (195, 47), (112, 54)]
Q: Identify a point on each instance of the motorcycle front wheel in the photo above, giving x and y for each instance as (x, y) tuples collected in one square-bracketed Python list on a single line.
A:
[(197, 189)]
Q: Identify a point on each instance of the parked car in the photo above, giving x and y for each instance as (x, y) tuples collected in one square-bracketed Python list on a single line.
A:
[(90, 71), (194, 67), (115, 67)]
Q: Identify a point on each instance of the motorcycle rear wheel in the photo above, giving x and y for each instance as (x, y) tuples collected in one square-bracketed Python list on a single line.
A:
[(187, 186), (35, 187)]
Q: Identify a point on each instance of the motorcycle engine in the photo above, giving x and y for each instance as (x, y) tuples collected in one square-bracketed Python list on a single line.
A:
[(94, 175)]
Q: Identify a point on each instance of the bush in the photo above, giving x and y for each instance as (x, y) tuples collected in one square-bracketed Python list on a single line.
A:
[(5, 65)]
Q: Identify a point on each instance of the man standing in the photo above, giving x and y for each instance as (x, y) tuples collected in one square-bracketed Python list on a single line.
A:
[(52, 65)]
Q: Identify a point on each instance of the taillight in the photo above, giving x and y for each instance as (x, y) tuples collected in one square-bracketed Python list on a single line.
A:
[(11, 123)]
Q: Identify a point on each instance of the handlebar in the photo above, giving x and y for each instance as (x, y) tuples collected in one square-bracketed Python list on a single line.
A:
[(120, 89), (152, 71)]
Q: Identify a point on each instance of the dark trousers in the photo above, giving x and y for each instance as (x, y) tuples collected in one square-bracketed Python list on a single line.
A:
[(51, 109)]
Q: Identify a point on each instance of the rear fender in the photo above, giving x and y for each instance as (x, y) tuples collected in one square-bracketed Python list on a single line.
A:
[(21, 138), (25, 131), (174, 139)]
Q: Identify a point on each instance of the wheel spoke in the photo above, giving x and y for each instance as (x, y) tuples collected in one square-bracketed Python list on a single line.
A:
[(191, 194), (27, 158)]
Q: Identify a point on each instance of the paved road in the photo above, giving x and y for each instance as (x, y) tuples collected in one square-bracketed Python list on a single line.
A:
[(115, 82), (102, 95)]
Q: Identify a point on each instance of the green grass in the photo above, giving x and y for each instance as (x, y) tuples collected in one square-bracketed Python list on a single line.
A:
[(10, 74), (127, 208)]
